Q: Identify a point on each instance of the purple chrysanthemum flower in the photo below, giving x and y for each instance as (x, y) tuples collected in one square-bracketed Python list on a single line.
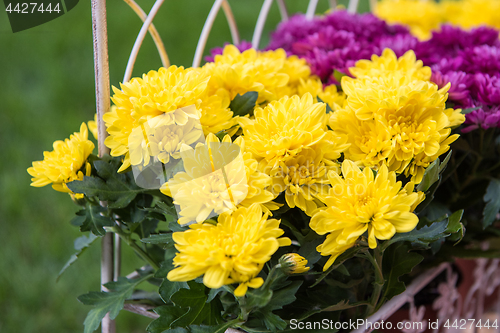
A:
[(483, 118), (482, 59), (291, 31), (460, 85), (487, 88)]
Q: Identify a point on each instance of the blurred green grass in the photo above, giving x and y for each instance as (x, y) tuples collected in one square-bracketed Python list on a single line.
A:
[(46, 91)]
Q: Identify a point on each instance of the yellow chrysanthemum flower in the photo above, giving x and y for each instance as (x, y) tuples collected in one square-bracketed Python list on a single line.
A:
[(472, 13), (329, 94), (393, 119), (233, 251), (421, 16), (271, 73), (358, 202), (302, 178), (293, 263), (388, 63), (283, 128), (163, 93), (218, 178), (92, 125), (67, 162), (160, 138)]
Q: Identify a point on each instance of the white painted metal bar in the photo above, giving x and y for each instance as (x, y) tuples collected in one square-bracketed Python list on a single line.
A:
[(205, 32), (235, 35), (311, 9), (353, 6), (261, 21), (101, 70), (283, 10), (140, 39), (152, 31)]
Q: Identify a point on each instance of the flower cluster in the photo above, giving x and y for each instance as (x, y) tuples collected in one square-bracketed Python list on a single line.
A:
[(470, 61), (394, 116), (423, 17)]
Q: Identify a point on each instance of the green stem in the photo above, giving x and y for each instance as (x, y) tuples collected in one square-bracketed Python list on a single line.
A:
[(140, 252), (379, 280)]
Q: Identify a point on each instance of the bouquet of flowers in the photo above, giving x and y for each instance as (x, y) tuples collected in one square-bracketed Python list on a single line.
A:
[(300, 182)]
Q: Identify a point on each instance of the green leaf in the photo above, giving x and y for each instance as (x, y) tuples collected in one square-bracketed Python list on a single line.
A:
[(431, 176), (158, 239), (423, 236), (273, 322), (115, 188), (443, 164), (168, 314), (398, 261), (328, 108), (111, 301), (342, 305), (244, 104), (169, 288), (492, 199), (349, 253), (213, 329), (90, 219), (338, 75), (308, 251), (469, 110), (258, 298), (454, 224), (194, 299), (283, 297), (81, 244)]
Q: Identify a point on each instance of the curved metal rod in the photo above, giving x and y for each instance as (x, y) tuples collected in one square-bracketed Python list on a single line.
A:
[(152, 31), (205, 32), (283, 10), (235, 35), (373, 4), (140, 39), (311, 9), (259, 27), (353, 6)]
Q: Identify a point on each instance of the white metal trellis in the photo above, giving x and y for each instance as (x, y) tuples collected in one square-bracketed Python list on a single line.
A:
[(110, 258)]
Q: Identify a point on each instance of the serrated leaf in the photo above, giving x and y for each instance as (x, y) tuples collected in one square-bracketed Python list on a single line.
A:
[(243, 105), (111, 301), (221, 328), (454, 224), (349, 253), (423, 236), (158, 239), (431, 176), (168, 288), (117, 189), (168, 314), (492, 199), (398, 261), (283, 296), (90, 219), (81, 244), (193, 299), (258, 298), (273, 322)]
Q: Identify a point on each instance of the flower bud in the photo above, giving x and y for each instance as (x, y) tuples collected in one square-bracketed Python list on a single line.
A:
[(292, 263)]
